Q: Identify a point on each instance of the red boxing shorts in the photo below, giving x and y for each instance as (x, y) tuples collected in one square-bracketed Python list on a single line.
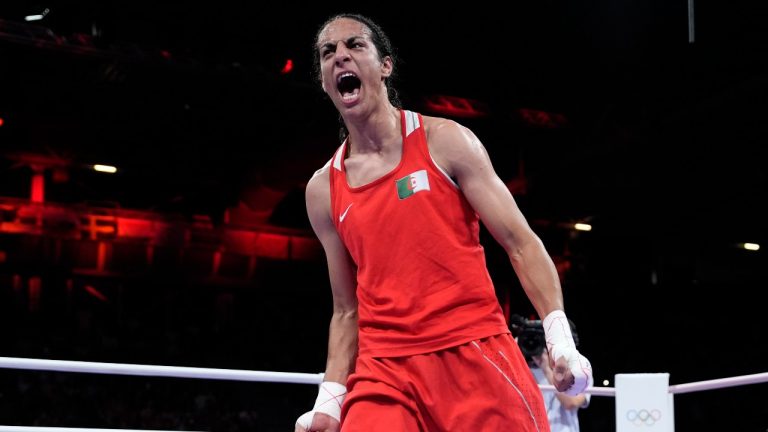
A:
[(483, 385)]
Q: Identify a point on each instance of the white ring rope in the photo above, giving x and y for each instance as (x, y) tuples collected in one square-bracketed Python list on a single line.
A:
[(63, 429), (266, 376), (719, 383), (594, 391), (683, 388), (295, 377), (164, 371)]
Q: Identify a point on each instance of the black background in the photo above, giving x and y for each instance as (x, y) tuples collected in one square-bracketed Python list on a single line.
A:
[(663, 152)]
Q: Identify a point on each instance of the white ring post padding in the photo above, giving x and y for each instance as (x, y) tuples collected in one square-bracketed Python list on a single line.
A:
[(165, 371), (63, 429)]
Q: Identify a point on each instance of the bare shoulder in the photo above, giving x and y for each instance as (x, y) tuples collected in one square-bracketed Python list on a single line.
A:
[(319, 184), (321, 174), (451, 143), (318, 200), (439, 127)]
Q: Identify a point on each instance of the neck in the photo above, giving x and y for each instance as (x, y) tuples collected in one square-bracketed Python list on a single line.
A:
[(376, 132)]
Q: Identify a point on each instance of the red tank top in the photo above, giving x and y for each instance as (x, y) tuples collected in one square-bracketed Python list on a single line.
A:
[(422, 281)]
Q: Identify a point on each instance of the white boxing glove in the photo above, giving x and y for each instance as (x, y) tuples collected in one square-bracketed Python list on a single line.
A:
[(557, 333), (329, 400)]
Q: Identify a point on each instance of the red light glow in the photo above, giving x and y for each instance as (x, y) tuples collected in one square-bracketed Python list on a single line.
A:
[(287, 67)]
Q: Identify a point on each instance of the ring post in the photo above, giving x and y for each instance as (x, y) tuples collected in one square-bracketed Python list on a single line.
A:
[(643, 402)]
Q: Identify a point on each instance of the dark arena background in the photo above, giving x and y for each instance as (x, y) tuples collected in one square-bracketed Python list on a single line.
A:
[(645, 120)]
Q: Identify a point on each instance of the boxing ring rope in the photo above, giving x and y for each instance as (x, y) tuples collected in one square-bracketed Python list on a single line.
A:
[(594, 391), (161, 371), (684, 388), (719, 383), (267, 376), (63, 429)]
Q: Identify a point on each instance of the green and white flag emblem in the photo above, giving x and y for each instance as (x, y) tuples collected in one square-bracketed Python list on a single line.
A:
[(412, 183)]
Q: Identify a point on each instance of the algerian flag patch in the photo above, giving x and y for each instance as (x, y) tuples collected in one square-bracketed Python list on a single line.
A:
[(412, 183)]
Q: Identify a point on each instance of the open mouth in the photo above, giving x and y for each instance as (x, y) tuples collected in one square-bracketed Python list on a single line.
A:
[(348, 85)]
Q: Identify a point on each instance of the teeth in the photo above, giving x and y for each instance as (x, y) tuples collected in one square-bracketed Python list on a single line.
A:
[(344, 75)]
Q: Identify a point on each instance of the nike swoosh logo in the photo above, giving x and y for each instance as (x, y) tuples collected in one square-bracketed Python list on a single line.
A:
[(343, 215)]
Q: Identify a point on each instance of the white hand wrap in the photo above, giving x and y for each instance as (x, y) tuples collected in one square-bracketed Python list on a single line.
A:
[(557, 332), (328, 401)]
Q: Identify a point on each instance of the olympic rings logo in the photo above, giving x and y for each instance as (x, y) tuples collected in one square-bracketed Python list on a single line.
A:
[(643, 417)]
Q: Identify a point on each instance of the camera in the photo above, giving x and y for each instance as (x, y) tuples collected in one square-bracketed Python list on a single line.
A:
[(530, 336)]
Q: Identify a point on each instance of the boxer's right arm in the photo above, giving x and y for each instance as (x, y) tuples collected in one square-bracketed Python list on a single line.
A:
[(342, 335)]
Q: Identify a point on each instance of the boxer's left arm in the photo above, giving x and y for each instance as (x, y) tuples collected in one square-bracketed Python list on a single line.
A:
[(460, 153)]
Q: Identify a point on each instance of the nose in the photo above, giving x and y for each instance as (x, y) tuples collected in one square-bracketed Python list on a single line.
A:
[(342, 54)]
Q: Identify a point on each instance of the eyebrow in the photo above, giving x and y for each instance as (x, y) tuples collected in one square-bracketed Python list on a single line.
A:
[(349, 40)]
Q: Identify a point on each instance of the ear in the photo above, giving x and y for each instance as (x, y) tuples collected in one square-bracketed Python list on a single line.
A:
[(386, 67)]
